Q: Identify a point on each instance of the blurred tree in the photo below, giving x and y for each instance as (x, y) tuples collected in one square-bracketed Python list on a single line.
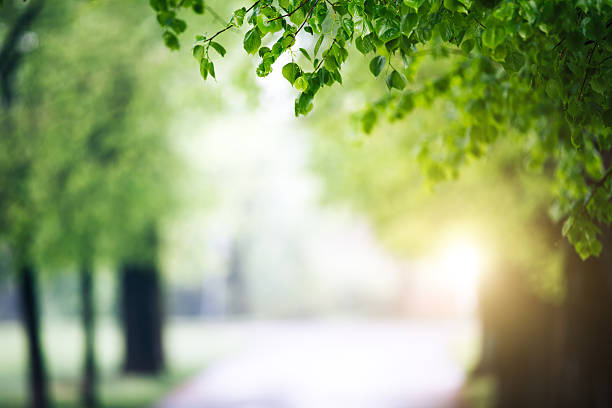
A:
[(85, 162), (544, 311), (14, 196), (142, 307)]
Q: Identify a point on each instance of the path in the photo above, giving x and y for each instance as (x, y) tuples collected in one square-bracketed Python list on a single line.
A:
[(332, 365)]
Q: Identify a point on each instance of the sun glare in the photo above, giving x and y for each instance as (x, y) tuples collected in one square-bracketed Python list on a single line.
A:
[(461, 264)]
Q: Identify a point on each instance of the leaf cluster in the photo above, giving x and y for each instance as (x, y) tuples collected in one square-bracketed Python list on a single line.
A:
[(539, 67)]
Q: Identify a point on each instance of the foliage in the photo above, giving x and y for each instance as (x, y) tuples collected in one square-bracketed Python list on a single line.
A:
[(85, 163), (537, 66)]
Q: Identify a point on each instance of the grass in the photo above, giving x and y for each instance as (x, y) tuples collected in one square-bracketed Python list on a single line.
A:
[(190, 347)]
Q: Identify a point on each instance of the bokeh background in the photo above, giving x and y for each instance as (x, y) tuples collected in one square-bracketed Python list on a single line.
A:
[(192, 243)]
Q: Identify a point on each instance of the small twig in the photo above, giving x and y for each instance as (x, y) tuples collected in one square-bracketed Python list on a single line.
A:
[(605, 59), (559, 43), (303, 23), (291, 12), (307, 17), (217, 33), (215, 15), (478, 21), (228, 26), (324, 56), (252, 6), (586, 74)]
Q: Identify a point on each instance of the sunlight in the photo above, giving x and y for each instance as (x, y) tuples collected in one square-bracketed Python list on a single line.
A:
[(462, 263)]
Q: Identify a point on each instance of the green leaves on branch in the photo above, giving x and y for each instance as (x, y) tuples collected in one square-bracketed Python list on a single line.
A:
[(200, 53), (538, 67), (206, 68)]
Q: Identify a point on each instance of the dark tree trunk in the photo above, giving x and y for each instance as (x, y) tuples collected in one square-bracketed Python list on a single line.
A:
[(587, 371), (39, 396), (141, 313), (88, 386), (236, 280), (518, 331)]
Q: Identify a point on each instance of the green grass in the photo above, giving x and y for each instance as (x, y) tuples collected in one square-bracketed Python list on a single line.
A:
[(190, 347)]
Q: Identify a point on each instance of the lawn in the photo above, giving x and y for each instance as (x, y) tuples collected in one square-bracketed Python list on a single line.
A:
[(190, 347)]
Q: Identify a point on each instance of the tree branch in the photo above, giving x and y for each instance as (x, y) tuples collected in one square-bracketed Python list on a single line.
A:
[(586, 74), (291, 12), (230, 25), (9, 54)]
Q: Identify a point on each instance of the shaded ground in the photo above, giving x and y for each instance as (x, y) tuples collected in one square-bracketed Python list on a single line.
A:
[(334, 365)]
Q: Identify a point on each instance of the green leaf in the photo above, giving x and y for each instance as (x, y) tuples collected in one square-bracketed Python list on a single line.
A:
[(238, 17), (318, 44), (303, 104), (301, 84), (204, 68), (305, 54), (396, 80), (468, 45), (178, 25), (525, 30), (414, 4), (291, 71), (362, 45), (387, 29), (218, 47), (505, 11), (409, 23), (198, 7), (493, 36), (252, 41), (514, 61), (171, 40), (288, 40), (157, 5), (330, 62), (211, 69), (349, 26), (368, 120), (198, 52), (456, 6), (377, 64)]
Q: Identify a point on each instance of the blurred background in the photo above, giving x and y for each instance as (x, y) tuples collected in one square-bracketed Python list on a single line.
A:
[(171, 242)]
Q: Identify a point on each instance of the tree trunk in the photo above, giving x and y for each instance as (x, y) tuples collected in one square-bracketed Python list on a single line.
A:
[(39, 396), (88, 386), (587, 379), (141, 313)]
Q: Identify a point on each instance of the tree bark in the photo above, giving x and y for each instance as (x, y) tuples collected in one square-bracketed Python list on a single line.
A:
[(39, 396), (141, 315), (587, 379), (89, 381)]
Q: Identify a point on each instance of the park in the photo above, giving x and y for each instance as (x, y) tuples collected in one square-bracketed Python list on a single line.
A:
[(305, 203)]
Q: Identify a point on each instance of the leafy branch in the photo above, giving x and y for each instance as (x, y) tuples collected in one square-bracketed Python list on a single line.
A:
[(291, 12)]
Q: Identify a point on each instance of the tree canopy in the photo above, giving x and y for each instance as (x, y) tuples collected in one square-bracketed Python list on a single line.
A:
[(85, 160), (539, 68)]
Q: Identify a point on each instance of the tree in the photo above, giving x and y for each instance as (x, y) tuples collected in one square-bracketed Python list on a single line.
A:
[(83, 148), (539, 67)]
